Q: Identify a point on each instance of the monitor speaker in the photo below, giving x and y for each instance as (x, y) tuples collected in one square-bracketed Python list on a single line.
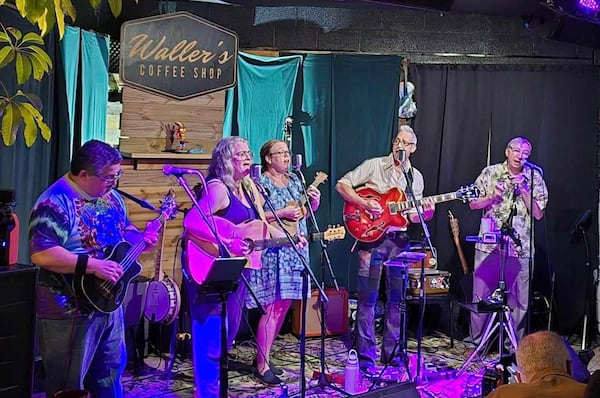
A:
[(17, 333), (336, 314)]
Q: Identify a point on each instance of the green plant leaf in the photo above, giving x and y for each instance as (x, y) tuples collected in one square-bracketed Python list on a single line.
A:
[(48, 19), (39, 51), (69, 9), (17, 34), (4, 38), (35, 9), (115, 7), (23, 66), (44, 129), (60, 18), (38, 66), (11, 121), (33, 38), (30, 130), (95, 3), (33, 99), (2, 2), (7, 54)]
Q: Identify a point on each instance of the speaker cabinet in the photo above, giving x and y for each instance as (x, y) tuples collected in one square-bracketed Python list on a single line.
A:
[(556, 24), (336, 314), (17, 329)]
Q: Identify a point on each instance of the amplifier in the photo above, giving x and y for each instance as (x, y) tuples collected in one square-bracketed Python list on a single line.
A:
[(336, 314), (436, 282)]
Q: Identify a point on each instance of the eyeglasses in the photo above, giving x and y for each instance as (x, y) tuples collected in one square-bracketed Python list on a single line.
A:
[(519, 151), (280, 153), (243, 155), (110, 178), (399, 141)]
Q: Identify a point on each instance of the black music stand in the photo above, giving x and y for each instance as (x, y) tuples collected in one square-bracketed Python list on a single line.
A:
[(221, 281), (400, 349)]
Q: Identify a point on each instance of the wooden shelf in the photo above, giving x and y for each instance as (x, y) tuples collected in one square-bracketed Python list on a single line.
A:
[(166, 155)]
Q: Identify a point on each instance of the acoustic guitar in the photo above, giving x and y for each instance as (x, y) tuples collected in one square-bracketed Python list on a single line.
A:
[(466, 282), (367, 227), (105, 296), (292, 226), (202, 254), (163, 298)]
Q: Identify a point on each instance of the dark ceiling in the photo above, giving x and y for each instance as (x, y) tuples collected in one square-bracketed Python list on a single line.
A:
[(487, 7)]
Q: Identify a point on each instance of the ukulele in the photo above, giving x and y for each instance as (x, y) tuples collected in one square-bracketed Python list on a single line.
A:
[(290, 225)]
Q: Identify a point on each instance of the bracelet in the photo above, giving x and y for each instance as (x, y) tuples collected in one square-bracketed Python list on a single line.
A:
[(81, 266)]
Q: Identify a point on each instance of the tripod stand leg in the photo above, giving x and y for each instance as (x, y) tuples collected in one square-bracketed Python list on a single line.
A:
[(510, 329), (490, 328)]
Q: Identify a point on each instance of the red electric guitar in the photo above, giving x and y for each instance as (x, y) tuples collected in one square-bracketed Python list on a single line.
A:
[(367, 227)]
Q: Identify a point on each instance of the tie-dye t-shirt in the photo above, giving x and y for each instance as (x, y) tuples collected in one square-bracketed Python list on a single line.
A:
[(65, 216)]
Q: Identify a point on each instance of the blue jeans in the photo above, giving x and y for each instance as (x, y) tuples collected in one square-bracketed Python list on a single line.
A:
[(369, 277), (205, 312), (84, 353)]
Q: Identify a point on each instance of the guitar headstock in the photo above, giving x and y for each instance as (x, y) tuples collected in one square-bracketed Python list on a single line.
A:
[(454, 225), (168, 206), (334, 233), (320, 178), (468, 193)]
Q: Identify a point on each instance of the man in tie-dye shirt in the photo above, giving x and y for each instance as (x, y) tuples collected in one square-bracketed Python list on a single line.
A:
[(72, 225)]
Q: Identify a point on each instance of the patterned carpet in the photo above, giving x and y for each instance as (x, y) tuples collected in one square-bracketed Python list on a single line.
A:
[(438, 376)]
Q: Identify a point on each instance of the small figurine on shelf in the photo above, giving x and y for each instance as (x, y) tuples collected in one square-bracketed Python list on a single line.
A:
[(180, 135), (169, 130)]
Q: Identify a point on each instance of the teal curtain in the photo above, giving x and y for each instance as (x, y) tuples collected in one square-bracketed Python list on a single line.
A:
[(94, 85), (71, 40), (257, 107)]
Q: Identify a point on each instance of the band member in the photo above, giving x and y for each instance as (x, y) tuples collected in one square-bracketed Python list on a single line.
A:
[(279, 281), (72, 224), (506, 202), (233, 196), (382, 174)]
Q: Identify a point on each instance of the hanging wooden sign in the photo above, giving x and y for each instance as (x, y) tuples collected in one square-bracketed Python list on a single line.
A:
[(178, 55)]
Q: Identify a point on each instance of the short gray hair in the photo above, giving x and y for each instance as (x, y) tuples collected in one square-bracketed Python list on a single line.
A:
[(407, 129), (541, 350)]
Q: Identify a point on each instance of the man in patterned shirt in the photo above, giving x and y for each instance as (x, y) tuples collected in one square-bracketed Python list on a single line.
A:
[(506, 201), (72, 225)]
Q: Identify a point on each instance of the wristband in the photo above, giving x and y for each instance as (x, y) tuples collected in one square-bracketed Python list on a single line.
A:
[(81, 266)]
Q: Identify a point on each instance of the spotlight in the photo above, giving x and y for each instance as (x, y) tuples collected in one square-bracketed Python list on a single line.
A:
[(589, 5)]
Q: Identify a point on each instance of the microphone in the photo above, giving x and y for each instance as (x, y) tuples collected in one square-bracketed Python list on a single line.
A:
[(255, 173), (402, 156), (170, 170), (533, 166), (297, 161)]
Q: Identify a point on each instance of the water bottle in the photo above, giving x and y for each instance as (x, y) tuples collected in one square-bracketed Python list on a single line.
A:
[(352, 373), (284, 390)]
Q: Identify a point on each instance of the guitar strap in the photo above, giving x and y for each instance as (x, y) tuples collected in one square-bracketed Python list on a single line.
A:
[(252, 193)]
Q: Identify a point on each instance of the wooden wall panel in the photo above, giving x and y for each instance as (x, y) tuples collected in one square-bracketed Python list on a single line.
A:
[(144, 178), (144, 115)]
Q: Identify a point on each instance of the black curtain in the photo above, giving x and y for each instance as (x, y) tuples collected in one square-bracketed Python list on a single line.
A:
[(466, 110), (28, 171)]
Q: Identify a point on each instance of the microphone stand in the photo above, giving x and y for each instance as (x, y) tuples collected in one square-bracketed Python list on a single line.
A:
[(322, 382), (307, 271), (223, 252), (411, 196)]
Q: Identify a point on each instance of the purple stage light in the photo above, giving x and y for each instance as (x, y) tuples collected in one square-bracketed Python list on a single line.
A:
[(589, 5)]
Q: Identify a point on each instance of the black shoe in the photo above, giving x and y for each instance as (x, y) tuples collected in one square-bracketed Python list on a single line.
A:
[(276, 370), (269, 377)]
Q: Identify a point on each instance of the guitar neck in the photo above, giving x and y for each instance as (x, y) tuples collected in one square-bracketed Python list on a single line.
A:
[(158, 271), (411, 204), (278, 242), (461, 255)]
